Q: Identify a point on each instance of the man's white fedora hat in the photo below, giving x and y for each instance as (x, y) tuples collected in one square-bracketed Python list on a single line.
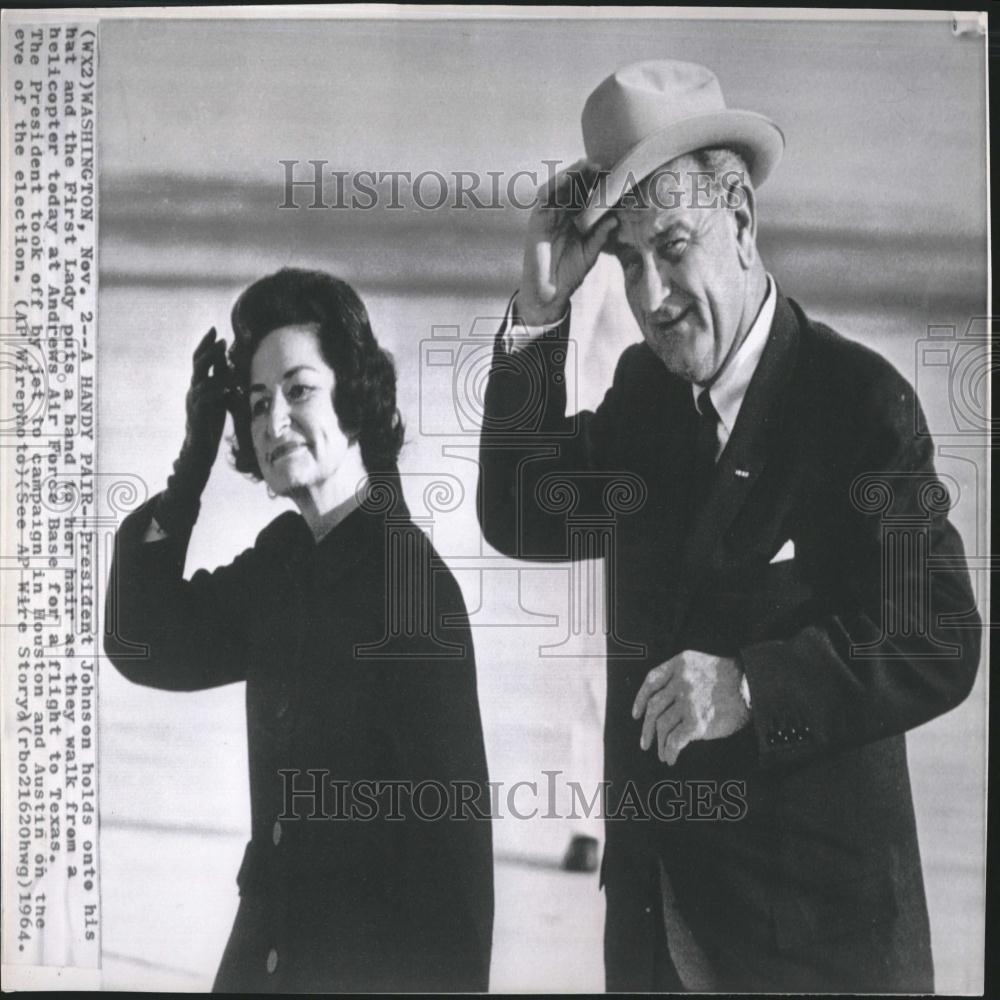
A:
[(646, 114)]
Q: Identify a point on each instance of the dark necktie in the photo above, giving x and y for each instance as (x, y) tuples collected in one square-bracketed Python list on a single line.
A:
[(705, 448)]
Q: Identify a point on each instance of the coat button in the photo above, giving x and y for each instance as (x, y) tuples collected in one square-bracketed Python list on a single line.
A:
[(272, 960), (276, 832)]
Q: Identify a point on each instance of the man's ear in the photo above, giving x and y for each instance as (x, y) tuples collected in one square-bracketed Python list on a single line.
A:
[(744, 204)]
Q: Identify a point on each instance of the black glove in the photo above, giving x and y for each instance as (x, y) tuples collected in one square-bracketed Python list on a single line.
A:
[(207, 400)]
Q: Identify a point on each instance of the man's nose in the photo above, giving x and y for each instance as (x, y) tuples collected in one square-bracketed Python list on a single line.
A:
[(655, 285)]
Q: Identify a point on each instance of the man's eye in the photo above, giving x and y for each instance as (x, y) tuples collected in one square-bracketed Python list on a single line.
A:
[(674, 247), (628, 260), (258, 406)]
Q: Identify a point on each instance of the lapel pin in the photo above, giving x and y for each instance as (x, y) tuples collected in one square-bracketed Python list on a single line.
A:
[(743, 473)]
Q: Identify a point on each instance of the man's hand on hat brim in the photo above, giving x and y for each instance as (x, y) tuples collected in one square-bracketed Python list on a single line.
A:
[(557, 257)]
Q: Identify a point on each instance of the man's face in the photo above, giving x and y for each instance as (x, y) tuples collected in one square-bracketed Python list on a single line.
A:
[(686, 272)]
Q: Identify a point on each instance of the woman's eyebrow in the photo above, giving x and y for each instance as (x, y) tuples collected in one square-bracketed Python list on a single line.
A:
[(260, 387), (296, 370)]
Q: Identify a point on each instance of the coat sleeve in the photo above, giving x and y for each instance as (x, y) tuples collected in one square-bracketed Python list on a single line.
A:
[(536, 463), (164, 631), (904, 646)]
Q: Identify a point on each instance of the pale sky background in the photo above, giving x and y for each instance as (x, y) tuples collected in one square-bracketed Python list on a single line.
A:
[(892, 106)]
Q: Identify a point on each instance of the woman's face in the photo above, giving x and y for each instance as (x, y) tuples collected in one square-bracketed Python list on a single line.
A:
[(297, 438)]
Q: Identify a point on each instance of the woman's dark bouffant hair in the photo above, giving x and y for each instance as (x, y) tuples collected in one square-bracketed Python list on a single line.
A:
[(364, 395)]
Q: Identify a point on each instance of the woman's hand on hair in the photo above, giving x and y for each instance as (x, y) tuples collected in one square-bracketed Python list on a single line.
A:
[(208, 398)]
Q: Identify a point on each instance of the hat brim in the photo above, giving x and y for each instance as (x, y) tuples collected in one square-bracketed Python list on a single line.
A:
[(753, 136)]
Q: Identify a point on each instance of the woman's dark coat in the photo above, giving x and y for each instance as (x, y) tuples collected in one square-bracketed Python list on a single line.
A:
[(360, 684)]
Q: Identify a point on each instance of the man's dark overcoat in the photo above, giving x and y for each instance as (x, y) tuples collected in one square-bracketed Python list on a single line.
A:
[(868, 631)]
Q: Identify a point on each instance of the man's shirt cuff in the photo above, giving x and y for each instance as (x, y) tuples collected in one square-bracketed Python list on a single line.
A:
[(518, 334)]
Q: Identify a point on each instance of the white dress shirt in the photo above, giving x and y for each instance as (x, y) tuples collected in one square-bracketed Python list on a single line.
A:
[(731, 384)]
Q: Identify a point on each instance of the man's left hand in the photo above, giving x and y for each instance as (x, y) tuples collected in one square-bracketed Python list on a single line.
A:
[(693, 696)]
